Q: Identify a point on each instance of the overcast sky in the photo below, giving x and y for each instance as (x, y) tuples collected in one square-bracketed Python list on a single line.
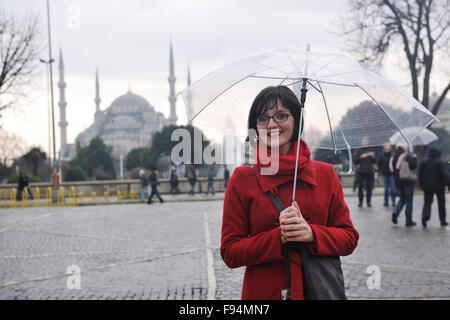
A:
[(129, 42)]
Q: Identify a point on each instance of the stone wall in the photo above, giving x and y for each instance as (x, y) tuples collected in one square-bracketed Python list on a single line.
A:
[(125, 186)]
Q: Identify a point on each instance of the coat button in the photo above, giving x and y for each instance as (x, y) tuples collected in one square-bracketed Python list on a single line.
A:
[(307, 218)]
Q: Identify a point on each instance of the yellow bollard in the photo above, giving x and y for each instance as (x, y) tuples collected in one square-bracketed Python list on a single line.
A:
[(60, 197), (81, 196), (106, 195), (37, 197), (72, 195), (25, 198), (48, 197), (94, 195), (119, 195), (3, 196), (12, 198)]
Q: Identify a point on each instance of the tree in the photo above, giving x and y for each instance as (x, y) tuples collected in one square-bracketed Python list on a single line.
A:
[(140, 157), (95, 159), (34, 157), (162, 144), (20, 45), (75, 174), (422, 27)]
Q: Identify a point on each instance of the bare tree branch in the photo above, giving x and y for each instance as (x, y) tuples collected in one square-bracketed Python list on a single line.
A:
[(422, 27), (19, 48)]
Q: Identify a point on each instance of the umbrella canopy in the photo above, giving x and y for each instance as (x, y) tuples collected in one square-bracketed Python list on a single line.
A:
[(424, 137), (346, 102)]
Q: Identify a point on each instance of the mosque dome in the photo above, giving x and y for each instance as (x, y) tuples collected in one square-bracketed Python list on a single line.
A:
[(130, 99)]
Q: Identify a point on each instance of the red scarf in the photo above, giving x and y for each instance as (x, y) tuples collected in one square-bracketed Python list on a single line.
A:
[(286, 167)]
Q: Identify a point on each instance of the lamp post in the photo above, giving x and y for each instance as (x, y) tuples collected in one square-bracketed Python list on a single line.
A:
[(49, 112), (50, 61)]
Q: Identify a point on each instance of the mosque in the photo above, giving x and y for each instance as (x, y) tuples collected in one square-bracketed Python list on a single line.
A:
[(129, 122)]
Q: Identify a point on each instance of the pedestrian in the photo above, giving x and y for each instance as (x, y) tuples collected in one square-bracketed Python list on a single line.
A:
[(405, 187), (191, 175), (226, 175), (387, 175), (174, 182), (154, 183), (254, 233), (432, 180), (23, 184), (145, 184), (365, 159), (211, 175)]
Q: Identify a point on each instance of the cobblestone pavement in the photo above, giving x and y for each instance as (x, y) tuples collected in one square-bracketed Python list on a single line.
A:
[(171, 251)]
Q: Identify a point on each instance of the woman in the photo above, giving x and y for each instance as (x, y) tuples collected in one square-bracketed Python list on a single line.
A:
[(432, 179), (405, 188), (253, 232)]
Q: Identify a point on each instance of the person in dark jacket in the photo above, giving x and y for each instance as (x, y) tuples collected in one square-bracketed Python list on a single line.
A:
[(432, 180), (405, 188), (191, 175), (23, 183), (174, 182), (226, 175), (365, 159), (145, 186), (154, 183), (386, 175)]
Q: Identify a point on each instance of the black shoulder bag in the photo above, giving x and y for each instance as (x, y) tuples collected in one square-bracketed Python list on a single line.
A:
[(323, 278)]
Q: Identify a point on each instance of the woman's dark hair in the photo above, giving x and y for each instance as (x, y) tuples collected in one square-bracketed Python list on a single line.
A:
[(398, 151), (268, 99)]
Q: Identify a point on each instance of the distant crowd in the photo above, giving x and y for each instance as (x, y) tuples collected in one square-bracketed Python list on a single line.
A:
[(400, 172)]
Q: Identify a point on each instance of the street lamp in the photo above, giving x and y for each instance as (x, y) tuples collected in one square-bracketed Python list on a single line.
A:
[(50, 61), (49, 111)]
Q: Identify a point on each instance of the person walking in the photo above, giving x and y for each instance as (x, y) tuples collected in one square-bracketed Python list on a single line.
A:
[(145, 184), (387, 175), (432, 180), (211, 175), (364, 158), (154, 183), (23, 184), (191, 175), (405, 187), (226, 176), (174, 182), (254, 234)]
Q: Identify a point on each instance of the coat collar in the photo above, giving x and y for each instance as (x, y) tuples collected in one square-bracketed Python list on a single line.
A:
[(286, 168)]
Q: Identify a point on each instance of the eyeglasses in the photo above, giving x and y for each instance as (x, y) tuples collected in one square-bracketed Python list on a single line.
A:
[(277, 117)]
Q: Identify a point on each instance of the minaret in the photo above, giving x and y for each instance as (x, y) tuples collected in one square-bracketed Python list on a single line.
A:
[(172, 97), (189, 97), (62, 106), (97, 92)]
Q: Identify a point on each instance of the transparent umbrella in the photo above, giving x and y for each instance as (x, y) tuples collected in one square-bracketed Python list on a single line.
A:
[(424, 137), (348, 105)]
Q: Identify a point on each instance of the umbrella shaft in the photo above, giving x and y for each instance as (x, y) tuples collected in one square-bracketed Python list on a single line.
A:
[(298, 151)]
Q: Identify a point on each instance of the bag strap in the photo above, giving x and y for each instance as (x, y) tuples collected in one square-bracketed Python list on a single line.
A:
[(280, 207)]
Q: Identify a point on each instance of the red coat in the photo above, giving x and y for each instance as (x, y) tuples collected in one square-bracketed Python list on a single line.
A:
[(251, 231)]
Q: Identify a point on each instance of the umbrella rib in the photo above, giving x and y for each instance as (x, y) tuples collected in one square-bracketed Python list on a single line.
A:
[(215, 98), (292, 61), (385, 113), (318, 90), (328, 116)]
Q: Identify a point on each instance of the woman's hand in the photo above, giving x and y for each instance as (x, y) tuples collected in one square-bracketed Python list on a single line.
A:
[(293, 226)]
